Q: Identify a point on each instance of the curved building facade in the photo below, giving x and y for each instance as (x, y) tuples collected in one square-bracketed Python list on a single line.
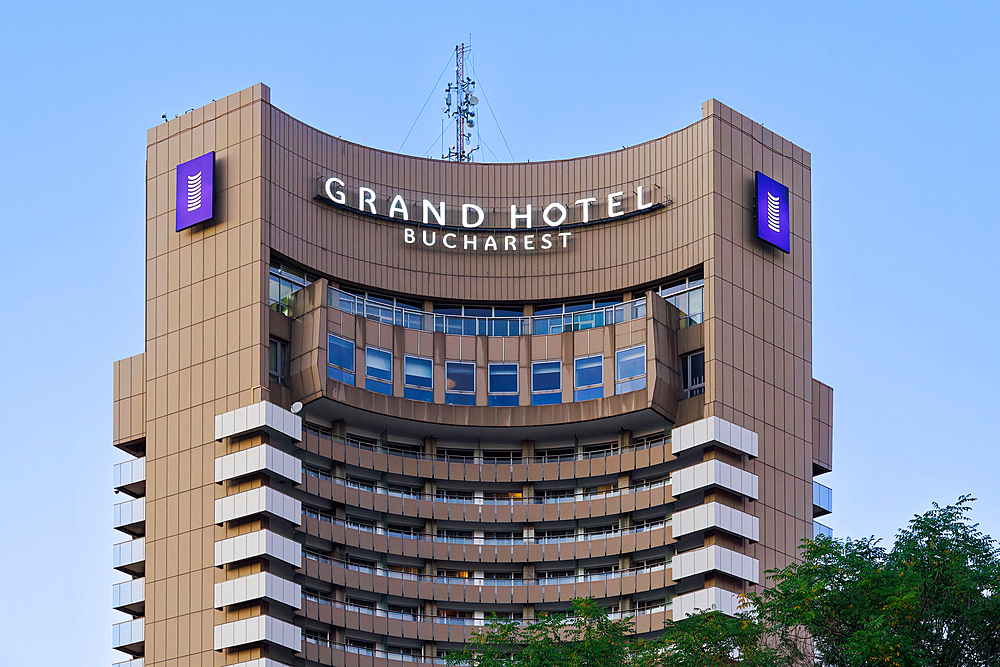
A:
[(383, 397)]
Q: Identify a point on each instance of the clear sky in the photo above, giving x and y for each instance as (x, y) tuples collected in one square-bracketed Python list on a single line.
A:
[(897, 103)]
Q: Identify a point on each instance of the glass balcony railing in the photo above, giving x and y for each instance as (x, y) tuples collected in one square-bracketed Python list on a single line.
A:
[(136, 662), (129, 636), (130, 517), (130, 477), (821, 529), (485, 326), (822, 499), (129, 596), (130, 556)]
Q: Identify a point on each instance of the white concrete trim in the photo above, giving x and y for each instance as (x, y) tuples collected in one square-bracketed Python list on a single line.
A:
[(716, 515), (258, 543), (258, 459), (706, 599), (714, 473), (713, 431), (718, 558), (256, 586), (262, 500), (258, 629), (264, 416)]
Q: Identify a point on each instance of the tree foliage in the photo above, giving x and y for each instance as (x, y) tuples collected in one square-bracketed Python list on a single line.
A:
[(932, 600)]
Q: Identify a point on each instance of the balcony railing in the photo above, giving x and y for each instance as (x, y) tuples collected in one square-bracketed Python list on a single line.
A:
[(130, 556), (129, 636), (130, 477), (130, 517), (485, 326), (485, 459), (129, 596), (822, 529), (822, 499), (569, 497)]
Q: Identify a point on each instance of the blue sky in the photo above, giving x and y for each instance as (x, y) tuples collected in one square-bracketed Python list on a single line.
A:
[(895, 101)]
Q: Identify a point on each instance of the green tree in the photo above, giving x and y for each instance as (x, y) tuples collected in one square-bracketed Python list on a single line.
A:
[(933, 600)]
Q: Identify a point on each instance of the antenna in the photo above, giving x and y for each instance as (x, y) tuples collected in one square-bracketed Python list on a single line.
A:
[(459, 105)]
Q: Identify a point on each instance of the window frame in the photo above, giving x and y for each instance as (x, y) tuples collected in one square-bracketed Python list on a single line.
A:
[(546, 396), (630, 383), (418, 392), (690, 390), (502, 398), (376, 383), (587, 392), (335, 371), (459, 396)]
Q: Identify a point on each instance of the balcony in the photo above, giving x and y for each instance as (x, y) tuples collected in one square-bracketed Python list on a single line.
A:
[(716, 516), (258, 543), (130, 517), (262, 500), (822, 499), (258, 459), (130, 477), (130, 557), (135, 662), (130, 596), (129, 637), (258, 629), (262, 585), (822, 529)]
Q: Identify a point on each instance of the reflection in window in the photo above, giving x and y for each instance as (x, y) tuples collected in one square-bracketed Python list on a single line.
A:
[(378, 371), (630, 369), (546, 382), (588, 378), (418, 382), (502, 385), (693, 374), (460, 383), (340, 359), (277, 360)]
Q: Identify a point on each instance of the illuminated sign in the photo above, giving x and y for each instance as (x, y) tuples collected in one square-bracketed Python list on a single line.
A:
[(773, 216), (469, 226), (195, 191)]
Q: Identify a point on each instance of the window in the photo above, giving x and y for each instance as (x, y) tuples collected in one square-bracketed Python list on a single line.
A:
[(340, 357), (687, 294), (630, 369), (418, 382), (277, 360), (546, 382), (284, 281), (459, 383), (378, 371), (588, 378), (693, 374), (503, 385)]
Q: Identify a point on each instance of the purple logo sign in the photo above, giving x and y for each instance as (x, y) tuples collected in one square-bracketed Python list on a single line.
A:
[(773, 217), (194, 191)]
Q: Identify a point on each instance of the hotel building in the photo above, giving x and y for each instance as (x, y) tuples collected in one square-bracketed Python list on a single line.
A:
[(382, 397)]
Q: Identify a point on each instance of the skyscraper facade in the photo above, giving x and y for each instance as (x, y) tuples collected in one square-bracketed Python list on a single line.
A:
[(382, 397)]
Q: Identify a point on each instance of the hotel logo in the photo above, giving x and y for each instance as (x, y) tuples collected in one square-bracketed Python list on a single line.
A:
[(195, 191), (773, 218)]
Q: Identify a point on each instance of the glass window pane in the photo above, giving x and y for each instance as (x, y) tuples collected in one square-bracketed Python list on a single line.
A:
[(508, 311), (473, 311), (417, 372), (546, 376), (630, 363), (502, 400), (550, 398), (588, 394), (577, 307), (460, 399), (415, 394), (589, 371), (503, 378), (379, 386), (340, 352), (460, 376), (447, 309), (549, 310), (379, 364)]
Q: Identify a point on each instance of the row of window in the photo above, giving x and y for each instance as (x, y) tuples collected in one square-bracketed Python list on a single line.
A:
[(502, 378)]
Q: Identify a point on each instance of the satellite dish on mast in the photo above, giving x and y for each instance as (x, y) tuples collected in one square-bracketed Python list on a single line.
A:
[(473, 100)]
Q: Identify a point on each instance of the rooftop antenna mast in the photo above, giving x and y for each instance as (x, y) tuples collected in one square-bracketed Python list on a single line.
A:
[(459, 102)]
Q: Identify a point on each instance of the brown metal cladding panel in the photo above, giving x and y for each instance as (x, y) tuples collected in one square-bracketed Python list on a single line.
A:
[(639, 582), (612, 505), (536, 513), (457, 471), (411, 467), (394, 545), (522, 594), (491, 513), (411, 548), (395, 464), (567, 470), (396, 627), (440, 632), (550, 471), (627, 461), (643, 624), (504, 473), (656, 455), (410, 589), (598, 507), (642, 540), (425, 631), (628, 543), (580, 509), (487, 554), (659, 579), (339, 451), (518, 513), (338, 616), (456, 593), (597, 466), (425, 508), (440, 510), (598, 589), (612, 465), (366, 460), (428, 469), (628, 502), (441, 551), (365, 582), (505, 594), (549, 592), (581, 590), (536, 553), (613, 586), (440, 470), (581, 469), (519, 473), (567, 550), (642, 499), (504, 514), (505, 554), (335, 533), (338, 493), (407, 506), (429, 589), (642, 458), (379, 502), (394, 505), (338, 576), (440, 592), (425, 549), (519, 553), (352, 496), (380, 461), (551, 511), (482, 594), (380, 625)]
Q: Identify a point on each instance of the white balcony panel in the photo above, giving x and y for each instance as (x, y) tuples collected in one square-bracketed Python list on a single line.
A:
[(713, 431), (257, 586), (714, 473), (260, 543), (263, 416), (129, 636), (716, 515), (258, 459), (706, 599), (261, 662), (130, 472), (258, 629), (716, 558), (128, 593), (129, 553), (262, 500), (137, 662)]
